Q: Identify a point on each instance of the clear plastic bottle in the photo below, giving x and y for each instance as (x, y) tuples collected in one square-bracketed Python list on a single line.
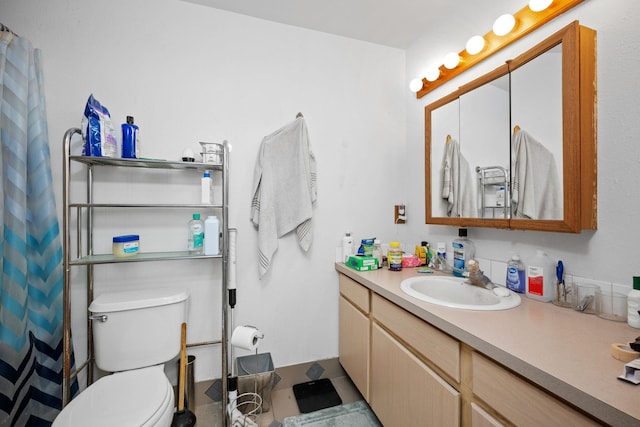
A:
[(394, 256), (195, 235), (516, 275), (347, 246), (463, 251), (205, 188), (377, 251), (212, 235), (540, 277), (633, 304)]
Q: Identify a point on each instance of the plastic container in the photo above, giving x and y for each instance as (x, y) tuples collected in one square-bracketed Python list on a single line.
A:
[(377, 252), (633, 304), (516, 275), (611, 305), (126, 246), (205, 188), (195, 235), (541, 277), (584, 296), (463, 251), (347, 246), (130, 140), (394, 256), (212, 235)]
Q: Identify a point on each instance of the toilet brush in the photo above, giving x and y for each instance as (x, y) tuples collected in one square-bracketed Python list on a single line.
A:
[(183, 416)]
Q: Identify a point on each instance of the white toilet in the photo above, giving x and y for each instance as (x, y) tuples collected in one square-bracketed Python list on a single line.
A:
[(135, 333)]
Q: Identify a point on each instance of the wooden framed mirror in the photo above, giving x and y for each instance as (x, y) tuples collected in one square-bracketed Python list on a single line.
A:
[(516, 148)]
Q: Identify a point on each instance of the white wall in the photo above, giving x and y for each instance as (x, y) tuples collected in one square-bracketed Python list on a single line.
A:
[(609, 254), (189, 73)]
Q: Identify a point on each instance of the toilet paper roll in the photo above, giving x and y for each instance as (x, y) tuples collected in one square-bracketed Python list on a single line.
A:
[(246, 337)]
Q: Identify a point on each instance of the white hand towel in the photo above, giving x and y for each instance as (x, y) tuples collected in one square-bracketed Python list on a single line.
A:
[(284, 190)]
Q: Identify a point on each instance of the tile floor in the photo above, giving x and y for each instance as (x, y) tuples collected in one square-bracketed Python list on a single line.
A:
[(283, 402)]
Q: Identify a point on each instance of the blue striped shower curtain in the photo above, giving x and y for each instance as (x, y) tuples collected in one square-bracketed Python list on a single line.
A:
[(31, 281)]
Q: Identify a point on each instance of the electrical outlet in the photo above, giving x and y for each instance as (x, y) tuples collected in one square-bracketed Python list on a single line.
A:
[(399, 214)]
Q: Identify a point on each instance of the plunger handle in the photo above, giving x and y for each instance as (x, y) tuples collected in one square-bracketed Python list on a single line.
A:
[(183, 367)]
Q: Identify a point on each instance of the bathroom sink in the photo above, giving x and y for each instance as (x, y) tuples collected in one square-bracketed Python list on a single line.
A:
[(455, 293)]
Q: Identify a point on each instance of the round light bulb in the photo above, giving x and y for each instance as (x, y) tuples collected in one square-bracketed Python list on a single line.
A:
[(504, 24), (539, 5), (475, 45), (415, 85), (432, 74), (451, 60)]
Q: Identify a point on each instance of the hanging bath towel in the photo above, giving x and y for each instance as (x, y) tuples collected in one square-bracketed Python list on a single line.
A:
[(536, 192), (284, 189), (457, 184)]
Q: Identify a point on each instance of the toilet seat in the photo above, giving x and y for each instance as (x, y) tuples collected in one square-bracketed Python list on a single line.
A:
[(136, 398)]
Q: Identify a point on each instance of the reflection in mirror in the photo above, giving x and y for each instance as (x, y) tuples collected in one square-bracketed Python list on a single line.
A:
[(536, 109), (445, 134), (484, 134)]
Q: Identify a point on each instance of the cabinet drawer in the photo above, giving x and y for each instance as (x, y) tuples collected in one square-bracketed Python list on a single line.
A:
[(518, 401), (432, 343), (355, 292)]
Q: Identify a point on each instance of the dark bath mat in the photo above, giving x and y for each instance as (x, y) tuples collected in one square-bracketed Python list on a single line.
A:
[(316, 395)]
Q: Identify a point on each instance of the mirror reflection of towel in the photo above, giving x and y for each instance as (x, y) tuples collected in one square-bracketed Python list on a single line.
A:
[(536, 190), (457, 183), (285, 188)]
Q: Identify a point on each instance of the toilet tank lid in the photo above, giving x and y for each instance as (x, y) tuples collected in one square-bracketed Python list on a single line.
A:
[(135, 299)]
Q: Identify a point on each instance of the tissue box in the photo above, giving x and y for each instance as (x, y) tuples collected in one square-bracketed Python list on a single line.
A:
[(362, 263)]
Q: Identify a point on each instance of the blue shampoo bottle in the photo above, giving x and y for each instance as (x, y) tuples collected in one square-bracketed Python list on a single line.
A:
[(129, 139)]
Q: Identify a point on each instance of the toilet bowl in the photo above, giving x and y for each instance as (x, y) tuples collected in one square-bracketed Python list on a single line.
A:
[(135, 333), (137, 398)]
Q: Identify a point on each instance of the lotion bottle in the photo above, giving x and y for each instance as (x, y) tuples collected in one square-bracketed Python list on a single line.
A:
[(347, 246), (633, 304), (205, 188)]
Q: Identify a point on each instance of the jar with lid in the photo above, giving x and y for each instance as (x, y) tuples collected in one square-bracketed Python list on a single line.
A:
[(394, 256)]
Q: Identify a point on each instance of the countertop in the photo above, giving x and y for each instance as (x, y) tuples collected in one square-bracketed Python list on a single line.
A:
[(564, 351)]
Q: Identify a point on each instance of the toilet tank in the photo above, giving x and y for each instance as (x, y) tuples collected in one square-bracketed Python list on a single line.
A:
[(135, 329)]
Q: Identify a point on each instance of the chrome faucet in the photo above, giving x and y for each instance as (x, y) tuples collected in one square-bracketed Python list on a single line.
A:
[(477, 277)]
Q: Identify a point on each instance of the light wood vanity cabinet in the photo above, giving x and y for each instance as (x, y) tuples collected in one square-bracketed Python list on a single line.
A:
[(354, 341), (404, 390), (413, 374), (517, 400)]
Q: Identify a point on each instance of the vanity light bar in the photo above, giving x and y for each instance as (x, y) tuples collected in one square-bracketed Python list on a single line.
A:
[(525, 21)]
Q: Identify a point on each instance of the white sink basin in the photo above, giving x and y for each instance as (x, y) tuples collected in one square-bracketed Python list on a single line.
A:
[(455, 293)]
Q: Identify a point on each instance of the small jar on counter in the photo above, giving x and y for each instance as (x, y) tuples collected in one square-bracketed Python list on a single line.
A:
[(394, 256), (126, 246)]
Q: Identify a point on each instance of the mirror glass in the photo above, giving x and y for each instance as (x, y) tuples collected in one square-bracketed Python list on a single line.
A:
[(484, 134), (537, 144)]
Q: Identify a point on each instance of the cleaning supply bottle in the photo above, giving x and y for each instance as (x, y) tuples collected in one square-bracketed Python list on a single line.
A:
[(463, 251), (195, 236), (633, 304), (516, 275), (130, 141), (394, 256), (205, 188), (347, 246), (211, 235), (540, 277), (421, 252)]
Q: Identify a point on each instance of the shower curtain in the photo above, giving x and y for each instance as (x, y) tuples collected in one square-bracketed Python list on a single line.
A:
[(31, 280)]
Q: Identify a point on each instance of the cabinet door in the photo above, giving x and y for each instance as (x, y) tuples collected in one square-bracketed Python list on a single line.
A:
[(354, 345), (405, 391)]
